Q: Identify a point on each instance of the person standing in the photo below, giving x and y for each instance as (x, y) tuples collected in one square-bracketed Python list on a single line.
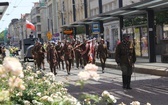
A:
[(102, 53), (125, 57)]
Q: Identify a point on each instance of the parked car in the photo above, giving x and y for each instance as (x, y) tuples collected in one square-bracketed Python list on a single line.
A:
[(28, 54)]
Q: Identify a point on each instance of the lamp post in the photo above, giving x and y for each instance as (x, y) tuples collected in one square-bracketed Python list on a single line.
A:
[(74, 17), (22, 42)]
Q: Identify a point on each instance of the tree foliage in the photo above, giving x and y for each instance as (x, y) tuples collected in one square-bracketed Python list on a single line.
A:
[(80, 30), (2, 35), (161, 17), (138, 20)]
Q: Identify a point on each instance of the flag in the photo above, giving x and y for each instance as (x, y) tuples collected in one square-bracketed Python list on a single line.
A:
[(30, 25)]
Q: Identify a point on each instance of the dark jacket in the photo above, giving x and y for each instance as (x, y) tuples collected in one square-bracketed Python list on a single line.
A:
[(125, 54)]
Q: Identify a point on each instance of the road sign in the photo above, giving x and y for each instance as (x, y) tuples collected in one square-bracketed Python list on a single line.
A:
[(95, 28), (49, 35)]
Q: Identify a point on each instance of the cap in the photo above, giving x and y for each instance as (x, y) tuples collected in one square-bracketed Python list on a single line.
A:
[(126, 36)]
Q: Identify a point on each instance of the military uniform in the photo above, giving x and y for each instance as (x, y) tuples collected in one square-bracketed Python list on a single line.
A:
[(40, 55), (60, 55), (125, 57), (85, 50), (68, 50), (78, 56), (102, 53), (52, 58), (34, 54)]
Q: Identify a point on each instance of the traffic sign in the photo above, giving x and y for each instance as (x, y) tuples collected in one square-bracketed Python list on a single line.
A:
[(49, 35)]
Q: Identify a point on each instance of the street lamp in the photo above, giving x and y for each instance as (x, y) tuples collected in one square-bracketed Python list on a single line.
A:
[(22, 41)]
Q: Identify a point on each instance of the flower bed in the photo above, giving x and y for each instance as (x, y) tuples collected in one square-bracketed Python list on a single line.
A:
[(29, 88), (25, 87)]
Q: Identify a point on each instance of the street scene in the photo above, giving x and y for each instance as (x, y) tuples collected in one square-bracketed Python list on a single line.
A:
[(146, 87), (83, 52)]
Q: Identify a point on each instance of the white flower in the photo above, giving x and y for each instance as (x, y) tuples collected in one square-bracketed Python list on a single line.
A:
[(28, 68), (84, 75), (15, 82), (105, 93), (50, 76), (91, 67), (135, 103), (94, 75), (2, 70), (38, 94), (49, 99), (26, 102), (89, 72), (148, 103), (112, 98), (19, 94), (13, 65), (4, 95), (47, 82), (59, 93), (44, 98), (30, 78), (35, 102), (38, 72), (22, 87)]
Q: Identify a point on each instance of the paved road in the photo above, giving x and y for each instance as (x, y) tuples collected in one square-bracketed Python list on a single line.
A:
[(146, 88)]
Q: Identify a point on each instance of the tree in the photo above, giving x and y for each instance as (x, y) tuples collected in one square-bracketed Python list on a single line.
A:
[(161, 17), (2, 35)]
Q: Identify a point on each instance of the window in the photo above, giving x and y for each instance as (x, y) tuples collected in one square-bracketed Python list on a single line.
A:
[(97, 11), (64, 21), (38, 19), (91, 12), (106, 8), (110, 6), (63, 6)]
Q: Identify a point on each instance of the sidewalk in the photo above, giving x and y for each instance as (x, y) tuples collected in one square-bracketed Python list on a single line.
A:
[(143, 66)]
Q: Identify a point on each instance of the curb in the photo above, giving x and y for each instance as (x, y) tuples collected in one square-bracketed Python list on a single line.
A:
[(157, 72)]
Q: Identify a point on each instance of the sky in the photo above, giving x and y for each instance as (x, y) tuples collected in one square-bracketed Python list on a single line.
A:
[(14, 10)]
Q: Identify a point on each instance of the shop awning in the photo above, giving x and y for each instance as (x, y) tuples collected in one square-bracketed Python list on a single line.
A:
[(131, 10), (134, 9), (3, 7)]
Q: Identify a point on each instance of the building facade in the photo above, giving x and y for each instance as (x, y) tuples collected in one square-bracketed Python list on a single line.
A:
[(36, 19), (14, 31)]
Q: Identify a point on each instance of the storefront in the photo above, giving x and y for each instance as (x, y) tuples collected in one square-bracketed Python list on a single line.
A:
[(112, 34), (139, 36)]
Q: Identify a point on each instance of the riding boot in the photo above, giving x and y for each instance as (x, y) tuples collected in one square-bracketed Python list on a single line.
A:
[(124, 79), (55, 72), (51, 69), (128, 82)]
